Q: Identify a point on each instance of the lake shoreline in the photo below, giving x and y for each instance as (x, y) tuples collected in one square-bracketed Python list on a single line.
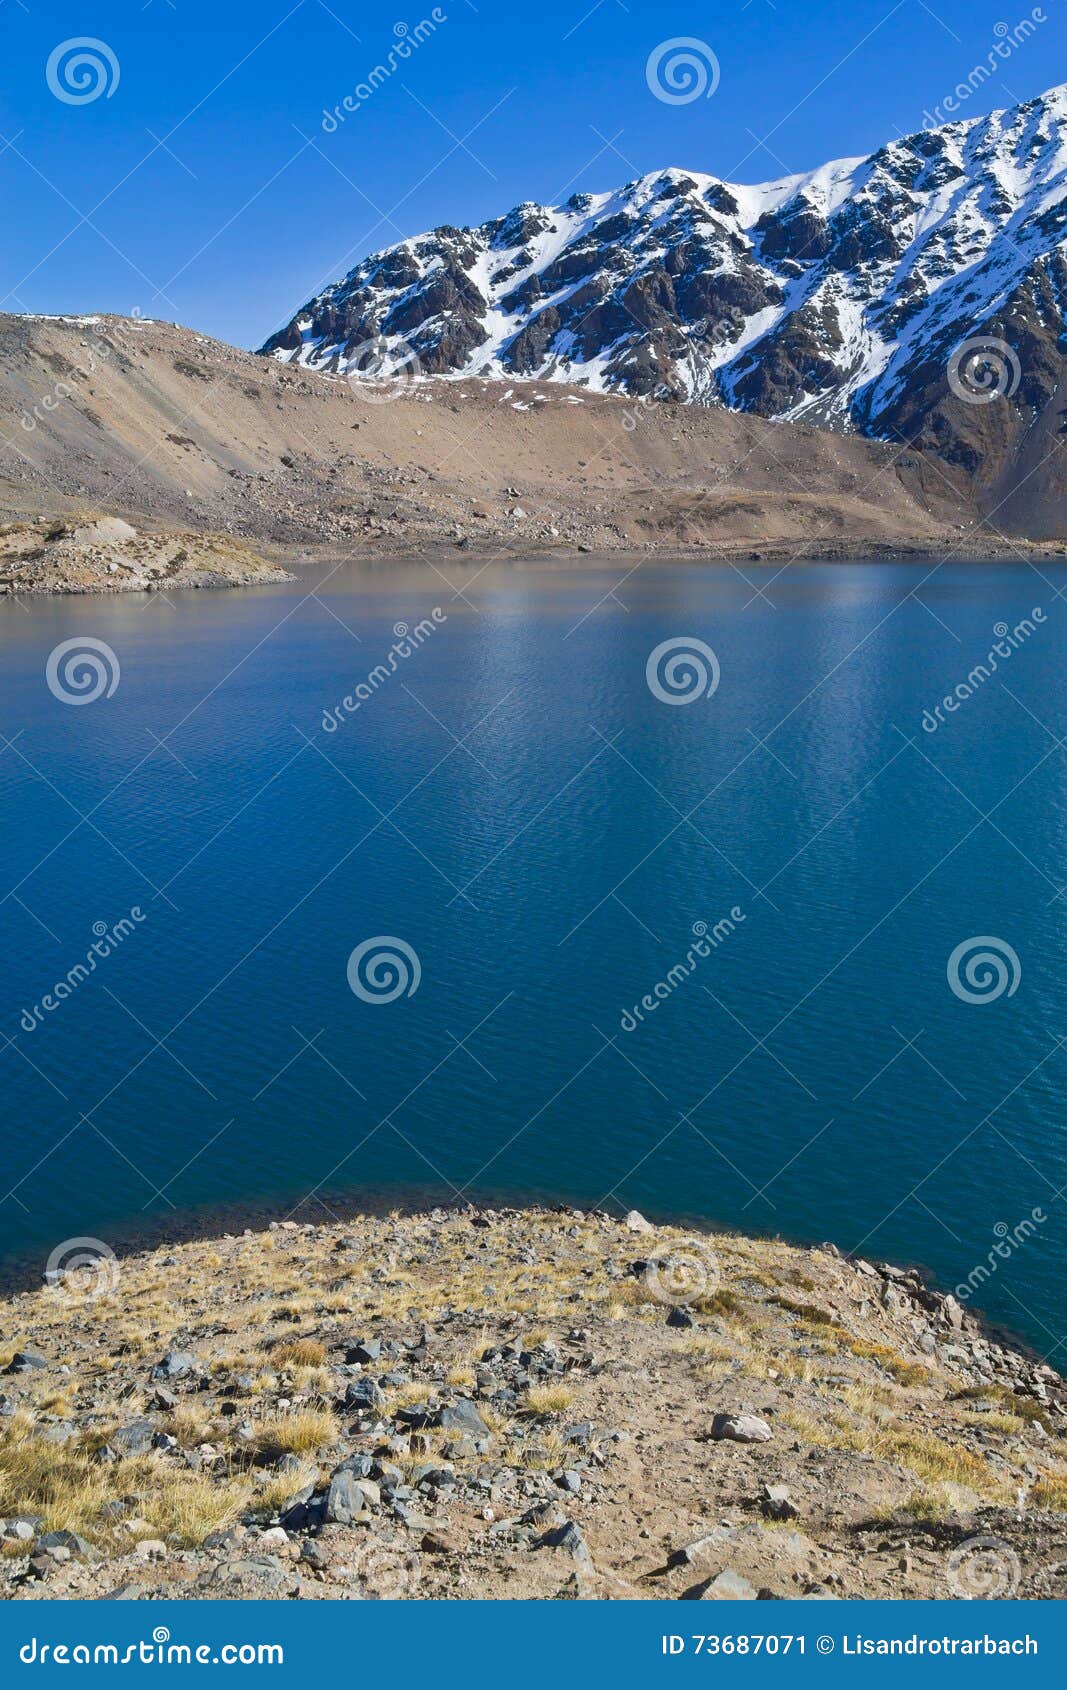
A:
[(257, 834), (510, 1402), (283, 564), (202, 1225)]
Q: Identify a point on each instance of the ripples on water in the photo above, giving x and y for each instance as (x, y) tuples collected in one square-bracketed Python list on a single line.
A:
[(517, 806)]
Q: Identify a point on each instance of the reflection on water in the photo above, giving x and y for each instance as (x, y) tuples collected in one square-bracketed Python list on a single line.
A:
[(512, 803)]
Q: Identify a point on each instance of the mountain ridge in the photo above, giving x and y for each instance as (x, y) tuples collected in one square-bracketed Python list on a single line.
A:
[(839, 296)]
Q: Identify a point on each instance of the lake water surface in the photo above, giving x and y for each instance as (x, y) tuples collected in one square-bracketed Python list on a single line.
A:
[(516, 804)]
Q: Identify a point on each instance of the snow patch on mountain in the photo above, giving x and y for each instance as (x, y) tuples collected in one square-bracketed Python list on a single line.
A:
[(821, 295)]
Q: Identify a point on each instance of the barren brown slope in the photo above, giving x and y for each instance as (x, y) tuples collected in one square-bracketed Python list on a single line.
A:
[(155, 422)]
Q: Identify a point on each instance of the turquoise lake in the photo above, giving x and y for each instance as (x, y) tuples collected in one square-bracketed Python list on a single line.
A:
[(548, 837)]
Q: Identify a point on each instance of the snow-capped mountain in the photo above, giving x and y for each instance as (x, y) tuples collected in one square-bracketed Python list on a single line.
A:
[(838, 296)]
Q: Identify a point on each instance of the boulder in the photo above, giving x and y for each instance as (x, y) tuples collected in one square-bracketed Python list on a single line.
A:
[(107, 530), (462, 1416), (25, 1361), (570, 1538), (713, 1543), (71, 1542), (680, 1317), (345, 1499), (777, 1504), (22, 1528), (636, 1222), (741, 1428), (176, 1364), (134, 1438), (364, 1350), (364, 1393), (726, 1586)]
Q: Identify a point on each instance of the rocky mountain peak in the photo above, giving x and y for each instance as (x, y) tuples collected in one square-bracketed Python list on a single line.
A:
[(837, 295)]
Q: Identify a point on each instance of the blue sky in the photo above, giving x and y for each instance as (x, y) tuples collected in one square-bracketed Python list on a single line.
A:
[(205, 189)]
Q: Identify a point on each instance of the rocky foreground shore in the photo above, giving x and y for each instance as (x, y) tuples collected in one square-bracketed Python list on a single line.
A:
[(518, 1403)]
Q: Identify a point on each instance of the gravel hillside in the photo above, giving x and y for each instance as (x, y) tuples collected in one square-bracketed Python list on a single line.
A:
[(165, 427)]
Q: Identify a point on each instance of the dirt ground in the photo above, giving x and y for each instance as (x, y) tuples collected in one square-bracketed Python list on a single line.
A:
[(171, 429), (519, 1403)]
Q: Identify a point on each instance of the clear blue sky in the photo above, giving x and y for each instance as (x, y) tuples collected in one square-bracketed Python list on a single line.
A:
[(205, 189)]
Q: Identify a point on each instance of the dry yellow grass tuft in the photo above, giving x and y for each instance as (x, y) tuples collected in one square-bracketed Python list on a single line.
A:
[(299, 1352), (548, 1399), (189, 1424), (295, 1431), (922, 1453), (542, 1454), (1050, 1493), (69, 1490)]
